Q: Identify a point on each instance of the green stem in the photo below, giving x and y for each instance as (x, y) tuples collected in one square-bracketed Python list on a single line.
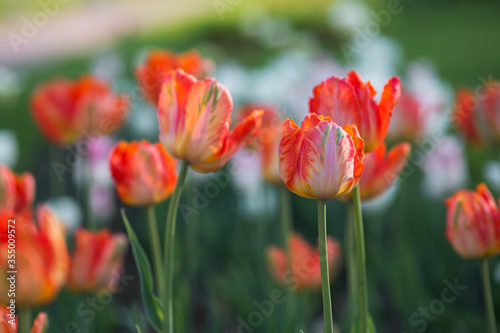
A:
[(325, 275), (286, 222), (361, 259), (352, 280), (155, 247), (488, 299), (25, 320), (168, 313)]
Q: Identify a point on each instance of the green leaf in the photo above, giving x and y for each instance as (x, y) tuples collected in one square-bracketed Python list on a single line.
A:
[(357, 329), (153, 307), (138, 329)]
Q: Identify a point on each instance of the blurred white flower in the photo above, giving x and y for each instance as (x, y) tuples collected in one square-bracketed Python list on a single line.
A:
[(491, 171), (107, 66), (445, 167), (247, 179), (102, 201), (9, 148), (435, 95), (277, 84), (378, 61), (10, 82), (348, 16), (143, 122), (68, 210)]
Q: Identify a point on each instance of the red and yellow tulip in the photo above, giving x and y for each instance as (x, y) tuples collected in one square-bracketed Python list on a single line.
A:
[(305, 272), (159, 63), (473, 223), (351, 101), (320, 160), (42, 259), (195, 120), (17, 192), (97, 261), (9, 325), (409, 119), (268, 140), (66, 111), (382, 169), (477, 115), (143, 172)]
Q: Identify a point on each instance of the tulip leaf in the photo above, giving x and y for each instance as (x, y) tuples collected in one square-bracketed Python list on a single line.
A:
[(152, 304), (357, 323)]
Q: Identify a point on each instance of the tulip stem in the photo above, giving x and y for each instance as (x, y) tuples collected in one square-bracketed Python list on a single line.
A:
[(155, 247), (323, 258), (352, 279), (285, 229), (167, 291), (488, 299), (25, 320), (361, 259)]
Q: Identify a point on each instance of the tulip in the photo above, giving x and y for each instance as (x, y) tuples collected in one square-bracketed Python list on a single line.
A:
[(351, 101), (159, 63), (10, 325), (304, 272), (42, 260), (409, 120), (17, 192), (473, 229), (381, 170), (320, 160), (7, 323), (143, 172), (268, 140), (66, 111), (41, 323), (195, 117), (473, 223), (476, 115), (97, 261)]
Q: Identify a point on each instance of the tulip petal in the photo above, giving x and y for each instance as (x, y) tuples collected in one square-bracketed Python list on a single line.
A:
[(41, 323), (239, 136), (208, 118), (172, 110), (325, 164)]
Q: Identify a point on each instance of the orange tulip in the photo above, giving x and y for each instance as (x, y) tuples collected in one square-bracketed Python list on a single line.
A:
[(41, 323), (195, 117), (8, 321), (151, 74), (305, 272), (9, 324), (350, 101), (17, 192), (320, 160), (409, 119), (268, 140), (66, 111), (143, 172), (381, 169), (473, 223), (477, 115), (97, 261), (42, 260)]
